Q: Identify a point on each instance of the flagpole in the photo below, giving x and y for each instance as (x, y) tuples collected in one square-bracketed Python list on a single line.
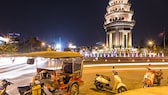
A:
[(164, 38)]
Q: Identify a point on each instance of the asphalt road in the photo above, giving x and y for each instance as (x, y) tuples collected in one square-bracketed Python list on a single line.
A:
[(132, 76)]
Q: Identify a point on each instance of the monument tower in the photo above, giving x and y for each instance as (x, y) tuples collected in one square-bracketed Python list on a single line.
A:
[(119, 24)]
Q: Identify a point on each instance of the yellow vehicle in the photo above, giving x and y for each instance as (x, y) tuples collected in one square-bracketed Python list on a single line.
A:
[(60, 72)]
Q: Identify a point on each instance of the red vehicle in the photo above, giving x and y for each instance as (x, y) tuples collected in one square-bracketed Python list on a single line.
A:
[(60, 72), (152, 77)]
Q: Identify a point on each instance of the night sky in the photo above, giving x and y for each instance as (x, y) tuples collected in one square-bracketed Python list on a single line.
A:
[(77, 21)]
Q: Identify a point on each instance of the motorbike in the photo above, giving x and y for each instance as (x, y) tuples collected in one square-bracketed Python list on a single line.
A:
[(3, 87), (152, 77), (102, 82), (35, 88)]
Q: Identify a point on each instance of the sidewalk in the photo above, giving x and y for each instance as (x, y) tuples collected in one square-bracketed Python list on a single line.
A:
[(163, 90)]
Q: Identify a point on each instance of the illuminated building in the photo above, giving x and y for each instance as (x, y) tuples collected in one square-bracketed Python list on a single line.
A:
[(119, 24), (14, 38)]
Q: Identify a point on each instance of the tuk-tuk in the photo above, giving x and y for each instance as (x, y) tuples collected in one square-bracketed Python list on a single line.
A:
[(59, 72)]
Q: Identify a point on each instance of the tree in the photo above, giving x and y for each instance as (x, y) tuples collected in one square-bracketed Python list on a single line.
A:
[(142, 43), (8, 48), (32, 44)]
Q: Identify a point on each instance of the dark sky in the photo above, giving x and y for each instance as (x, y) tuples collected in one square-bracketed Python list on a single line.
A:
[(77, 21)]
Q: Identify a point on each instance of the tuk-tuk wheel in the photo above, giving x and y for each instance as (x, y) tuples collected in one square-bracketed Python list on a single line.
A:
[(74, 89)]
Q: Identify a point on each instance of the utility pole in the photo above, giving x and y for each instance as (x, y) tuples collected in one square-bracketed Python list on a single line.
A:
[(164, 38)]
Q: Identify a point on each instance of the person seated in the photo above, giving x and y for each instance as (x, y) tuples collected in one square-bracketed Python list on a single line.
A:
[(48, 80), (67, 68), (66, 79), (67, 71), (45, 75)]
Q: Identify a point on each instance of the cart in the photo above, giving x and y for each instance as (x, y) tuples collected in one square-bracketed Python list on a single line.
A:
[(60, 72)]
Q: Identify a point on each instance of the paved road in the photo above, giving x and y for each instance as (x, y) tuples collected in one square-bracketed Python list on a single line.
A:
[(132, 76)]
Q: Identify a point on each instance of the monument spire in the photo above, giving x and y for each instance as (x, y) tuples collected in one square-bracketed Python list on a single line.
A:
[(119, 24)]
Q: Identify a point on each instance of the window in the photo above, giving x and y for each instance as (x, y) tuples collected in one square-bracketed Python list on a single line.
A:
[(116, 19), (110, 20)]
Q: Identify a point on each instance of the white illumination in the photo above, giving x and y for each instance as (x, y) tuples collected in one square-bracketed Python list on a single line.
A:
[(58, 46), (71, 46), (4, 39)]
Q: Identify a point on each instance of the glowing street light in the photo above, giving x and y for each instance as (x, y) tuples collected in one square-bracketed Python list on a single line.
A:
[(150, 43), (103, 45), (42, 44)]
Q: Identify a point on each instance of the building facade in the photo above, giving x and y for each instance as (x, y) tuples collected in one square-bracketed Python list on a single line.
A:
[(119, 24), (14, 37)]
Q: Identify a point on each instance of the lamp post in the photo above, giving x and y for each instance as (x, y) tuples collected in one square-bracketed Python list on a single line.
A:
[(150, 44), (42, 45)]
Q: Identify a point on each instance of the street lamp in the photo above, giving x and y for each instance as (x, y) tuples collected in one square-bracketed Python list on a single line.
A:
[(150, 43), (103, 45), (42, 44)]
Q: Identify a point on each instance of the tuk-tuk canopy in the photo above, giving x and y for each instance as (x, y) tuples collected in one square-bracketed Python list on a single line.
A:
[(51, 54)]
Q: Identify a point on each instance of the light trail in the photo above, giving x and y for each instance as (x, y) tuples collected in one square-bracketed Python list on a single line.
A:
[(6, 61), (18, 72), (122, 69), (27, 69), (126, 64), (10, 71), (12, 75)]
